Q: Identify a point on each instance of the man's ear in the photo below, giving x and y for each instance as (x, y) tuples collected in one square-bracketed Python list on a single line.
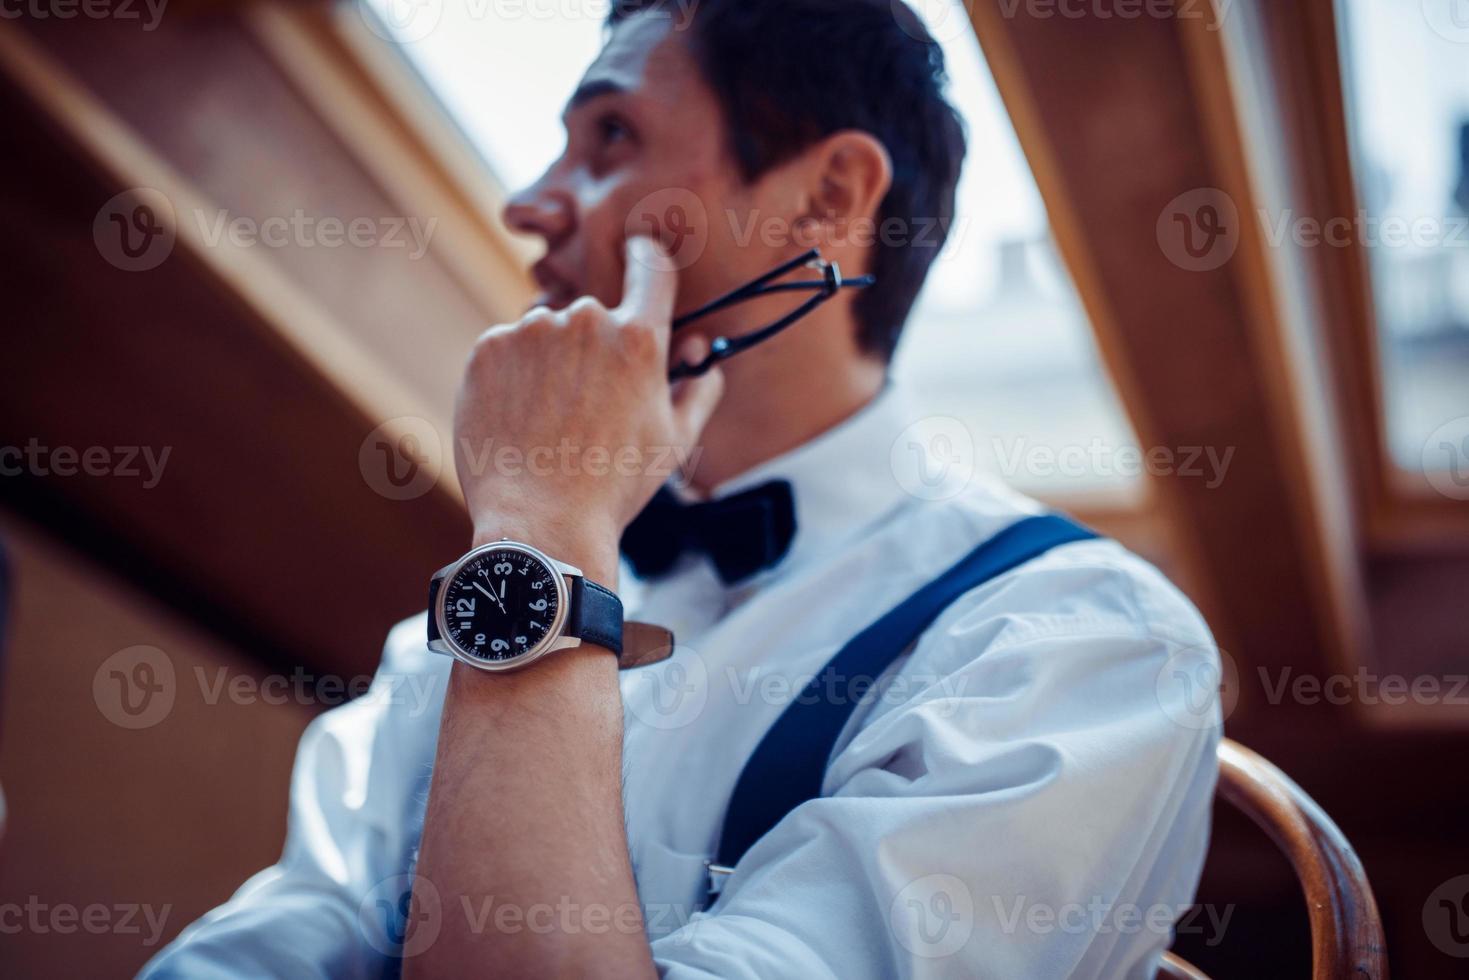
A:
[(850, 175)]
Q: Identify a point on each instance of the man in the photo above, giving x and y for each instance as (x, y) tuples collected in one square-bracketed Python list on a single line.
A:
[(1020, 795)]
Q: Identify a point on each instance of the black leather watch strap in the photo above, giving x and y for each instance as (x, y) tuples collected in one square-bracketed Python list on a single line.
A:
[(433, 607), (595, 614)]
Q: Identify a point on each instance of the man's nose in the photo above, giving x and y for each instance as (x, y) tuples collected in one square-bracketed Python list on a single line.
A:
[(541, 209)]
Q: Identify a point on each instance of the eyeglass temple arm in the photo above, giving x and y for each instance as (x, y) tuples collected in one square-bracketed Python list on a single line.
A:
[(748, 289), (724, 347)]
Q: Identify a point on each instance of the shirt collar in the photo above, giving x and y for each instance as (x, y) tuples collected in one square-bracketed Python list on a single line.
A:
[(842, 480)]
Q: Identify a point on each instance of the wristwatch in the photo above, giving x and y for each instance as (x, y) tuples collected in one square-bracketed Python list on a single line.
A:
[(505, 605)]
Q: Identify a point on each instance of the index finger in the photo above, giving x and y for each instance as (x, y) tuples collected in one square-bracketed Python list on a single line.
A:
[(649, 281)]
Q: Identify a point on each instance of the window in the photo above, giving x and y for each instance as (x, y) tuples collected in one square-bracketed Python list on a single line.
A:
[(1407, 81), (998, 341)]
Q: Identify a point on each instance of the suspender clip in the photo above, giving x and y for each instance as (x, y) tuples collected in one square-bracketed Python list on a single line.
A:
[(718, 874)]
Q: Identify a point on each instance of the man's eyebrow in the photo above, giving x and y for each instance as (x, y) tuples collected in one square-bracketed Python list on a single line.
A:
[(587, 91)]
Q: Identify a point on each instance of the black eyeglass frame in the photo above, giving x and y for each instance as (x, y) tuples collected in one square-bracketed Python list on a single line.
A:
[(723, 348)]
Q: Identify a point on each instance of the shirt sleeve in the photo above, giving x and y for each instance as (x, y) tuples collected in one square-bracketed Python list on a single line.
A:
[(1029, 797), (327, 908)]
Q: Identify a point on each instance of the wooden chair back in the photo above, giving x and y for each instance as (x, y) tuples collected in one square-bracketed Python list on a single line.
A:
[(1346, 930)]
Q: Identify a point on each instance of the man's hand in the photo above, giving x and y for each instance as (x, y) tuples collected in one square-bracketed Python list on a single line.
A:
[(583, 395)]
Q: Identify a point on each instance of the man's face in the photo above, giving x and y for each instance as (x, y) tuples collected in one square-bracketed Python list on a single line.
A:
[(646, 153)]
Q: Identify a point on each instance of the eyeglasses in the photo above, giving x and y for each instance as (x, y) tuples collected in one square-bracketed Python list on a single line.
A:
[(723, 348)]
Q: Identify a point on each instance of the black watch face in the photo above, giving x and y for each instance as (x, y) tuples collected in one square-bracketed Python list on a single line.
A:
[(500, 604)]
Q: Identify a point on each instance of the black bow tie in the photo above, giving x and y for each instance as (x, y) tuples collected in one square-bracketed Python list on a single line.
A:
[(741, 534)]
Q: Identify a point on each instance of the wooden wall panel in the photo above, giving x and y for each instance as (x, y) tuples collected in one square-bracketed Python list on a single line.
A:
[(167, 819)]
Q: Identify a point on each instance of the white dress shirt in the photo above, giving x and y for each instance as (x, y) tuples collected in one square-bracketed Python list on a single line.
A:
[(1025, 794)]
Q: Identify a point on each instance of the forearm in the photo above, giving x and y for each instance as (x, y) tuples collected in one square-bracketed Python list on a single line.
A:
[(524, 840)]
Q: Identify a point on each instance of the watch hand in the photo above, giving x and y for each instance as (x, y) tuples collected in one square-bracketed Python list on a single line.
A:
[(491, 595)]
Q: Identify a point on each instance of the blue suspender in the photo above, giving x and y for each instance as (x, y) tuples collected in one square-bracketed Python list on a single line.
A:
[(789, 764)]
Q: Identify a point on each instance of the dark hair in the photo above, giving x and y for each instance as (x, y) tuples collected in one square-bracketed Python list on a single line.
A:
[(791, 72)]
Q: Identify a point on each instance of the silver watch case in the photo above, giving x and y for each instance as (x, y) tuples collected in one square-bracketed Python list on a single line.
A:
[(553, 640)]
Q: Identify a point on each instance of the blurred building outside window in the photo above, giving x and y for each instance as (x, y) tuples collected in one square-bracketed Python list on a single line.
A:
[(1407, 84)]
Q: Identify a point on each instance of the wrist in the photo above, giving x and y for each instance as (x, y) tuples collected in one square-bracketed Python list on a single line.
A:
[(579, 540)]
